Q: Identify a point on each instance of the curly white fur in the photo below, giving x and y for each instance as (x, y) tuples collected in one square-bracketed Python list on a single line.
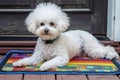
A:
[(48, 22)]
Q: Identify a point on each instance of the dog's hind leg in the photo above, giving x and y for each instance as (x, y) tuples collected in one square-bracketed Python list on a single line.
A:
[(95, 49)]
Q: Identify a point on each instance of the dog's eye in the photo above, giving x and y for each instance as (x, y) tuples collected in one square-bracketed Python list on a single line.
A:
[(52, 24), (42, 24)]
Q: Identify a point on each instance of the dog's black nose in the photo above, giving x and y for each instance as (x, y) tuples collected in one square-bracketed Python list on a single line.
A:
[(46, 30)]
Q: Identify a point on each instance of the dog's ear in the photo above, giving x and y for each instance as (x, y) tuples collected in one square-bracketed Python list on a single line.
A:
[(31, 23), (63, 23)]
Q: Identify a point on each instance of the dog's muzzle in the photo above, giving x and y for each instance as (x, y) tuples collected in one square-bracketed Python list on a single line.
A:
[(46, 30)]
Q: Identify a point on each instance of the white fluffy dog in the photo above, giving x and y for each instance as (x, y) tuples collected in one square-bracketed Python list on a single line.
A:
[(56, 47)]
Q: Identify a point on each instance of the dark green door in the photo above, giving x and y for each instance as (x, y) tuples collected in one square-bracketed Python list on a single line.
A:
[(89, 15)]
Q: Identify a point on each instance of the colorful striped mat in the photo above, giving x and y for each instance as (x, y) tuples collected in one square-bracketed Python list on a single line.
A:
[(77, 64)]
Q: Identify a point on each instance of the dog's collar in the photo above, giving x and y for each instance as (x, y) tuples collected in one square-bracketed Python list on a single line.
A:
[(49, 41)]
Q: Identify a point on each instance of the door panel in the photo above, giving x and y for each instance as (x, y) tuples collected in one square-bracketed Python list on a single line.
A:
[(16, 4), (99, 17), (12, 24), (89, 15)]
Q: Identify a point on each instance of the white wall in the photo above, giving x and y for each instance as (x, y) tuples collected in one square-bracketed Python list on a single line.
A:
[(117, 21), (113, 21)]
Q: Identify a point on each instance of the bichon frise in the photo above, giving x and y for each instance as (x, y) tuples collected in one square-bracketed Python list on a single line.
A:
[(57, 47)]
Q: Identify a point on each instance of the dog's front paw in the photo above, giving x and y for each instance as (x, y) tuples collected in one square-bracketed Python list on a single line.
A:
[(44, 67), (25, 61), (18, 63)]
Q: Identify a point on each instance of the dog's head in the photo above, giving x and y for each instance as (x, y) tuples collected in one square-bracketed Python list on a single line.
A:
[(47, 21)]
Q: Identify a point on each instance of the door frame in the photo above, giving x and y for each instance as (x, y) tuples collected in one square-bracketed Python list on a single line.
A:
[(113, 20)]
